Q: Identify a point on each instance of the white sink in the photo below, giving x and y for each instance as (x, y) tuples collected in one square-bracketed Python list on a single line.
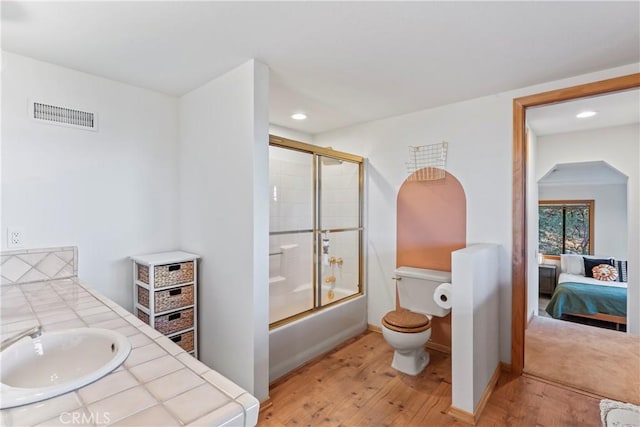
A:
[(34, 369)]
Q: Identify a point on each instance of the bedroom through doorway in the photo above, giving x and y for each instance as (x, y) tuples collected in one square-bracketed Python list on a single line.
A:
[(559, 343)]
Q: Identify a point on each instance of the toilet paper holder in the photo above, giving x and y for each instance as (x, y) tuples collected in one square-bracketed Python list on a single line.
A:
[(442, 296)]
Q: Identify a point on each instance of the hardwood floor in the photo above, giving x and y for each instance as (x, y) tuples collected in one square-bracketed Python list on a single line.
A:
[(354, 385)]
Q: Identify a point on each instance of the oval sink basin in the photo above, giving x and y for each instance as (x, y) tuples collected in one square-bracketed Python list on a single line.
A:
[(34, 369)]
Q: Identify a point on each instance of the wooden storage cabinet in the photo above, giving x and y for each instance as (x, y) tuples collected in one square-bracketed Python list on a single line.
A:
[(165, 295), (546, 279)]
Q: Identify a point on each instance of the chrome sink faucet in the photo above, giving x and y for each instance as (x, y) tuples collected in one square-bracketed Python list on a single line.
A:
[(33, 332)]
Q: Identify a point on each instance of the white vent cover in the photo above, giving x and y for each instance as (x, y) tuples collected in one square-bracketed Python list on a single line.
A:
[(63, 116)]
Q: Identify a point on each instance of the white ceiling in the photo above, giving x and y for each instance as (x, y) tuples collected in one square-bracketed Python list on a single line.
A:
[(583, 173), (340, 62), (617, 109)]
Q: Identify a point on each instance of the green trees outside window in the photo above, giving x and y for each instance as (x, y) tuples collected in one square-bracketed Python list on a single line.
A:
[(565, 227)]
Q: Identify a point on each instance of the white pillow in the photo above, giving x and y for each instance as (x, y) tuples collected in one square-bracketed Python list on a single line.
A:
[(572, 264)]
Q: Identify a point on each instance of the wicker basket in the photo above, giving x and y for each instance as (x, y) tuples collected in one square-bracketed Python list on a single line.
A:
[(172, 274), (184, 340), (143, 273), (167, 275), (173, 322), (143, 316), (168, 299), (143, 296)]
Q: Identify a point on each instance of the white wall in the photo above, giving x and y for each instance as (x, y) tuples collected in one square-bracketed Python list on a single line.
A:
[(287, 133), (474, 345), (610, 201), (610, 237), (224, 217), (619, 147), (480, 137), (260, 196), (113, 192), (532, 226)]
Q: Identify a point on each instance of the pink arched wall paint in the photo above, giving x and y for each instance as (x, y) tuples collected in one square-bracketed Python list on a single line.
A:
[(431, 223)]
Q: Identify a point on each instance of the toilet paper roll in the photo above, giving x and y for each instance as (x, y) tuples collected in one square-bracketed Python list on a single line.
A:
[(442, 296)]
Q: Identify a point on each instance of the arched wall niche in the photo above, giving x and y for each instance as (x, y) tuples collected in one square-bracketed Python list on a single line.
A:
[(431, 223)]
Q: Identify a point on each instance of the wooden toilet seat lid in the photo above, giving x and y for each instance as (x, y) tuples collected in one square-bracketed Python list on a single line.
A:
[(406, 321)]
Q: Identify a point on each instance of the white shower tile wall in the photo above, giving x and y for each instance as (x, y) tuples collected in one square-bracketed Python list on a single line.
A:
[(344, 245), (292, 258), (340, 209), (291, 208), (291, 194), (35, 265), (340, 195)]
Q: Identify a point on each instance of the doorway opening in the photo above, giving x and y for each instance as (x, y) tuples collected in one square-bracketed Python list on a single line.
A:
[(519, 242), (524, 253)]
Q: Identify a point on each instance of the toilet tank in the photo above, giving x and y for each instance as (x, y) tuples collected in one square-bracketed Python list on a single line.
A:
[(416, 288)]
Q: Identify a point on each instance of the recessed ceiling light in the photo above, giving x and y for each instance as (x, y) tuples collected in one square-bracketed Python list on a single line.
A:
[(585, 114), (299, 116)]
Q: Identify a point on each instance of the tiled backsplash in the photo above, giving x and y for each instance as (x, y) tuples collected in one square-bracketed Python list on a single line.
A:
[(35, 265)]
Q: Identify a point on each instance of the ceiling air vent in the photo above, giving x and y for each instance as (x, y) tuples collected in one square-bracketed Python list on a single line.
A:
[(63, 116)]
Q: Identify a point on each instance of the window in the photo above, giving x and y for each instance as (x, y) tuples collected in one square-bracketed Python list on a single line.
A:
[(565, 227)]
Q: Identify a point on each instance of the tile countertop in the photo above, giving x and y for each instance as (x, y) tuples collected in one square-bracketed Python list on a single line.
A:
[(159, 384)]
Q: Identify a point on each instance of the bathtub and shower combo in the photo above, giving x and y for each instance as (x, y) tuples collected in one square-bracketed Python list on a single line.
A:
[(316, 263)]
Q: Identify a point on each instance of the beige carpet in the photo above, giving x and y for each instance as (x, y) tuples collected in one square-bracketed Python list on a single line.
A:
[(600, 361), (543, 301)]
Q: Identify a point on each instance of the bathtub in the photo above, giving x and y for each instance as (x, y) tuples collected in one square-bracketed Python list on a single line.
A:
[(295, 343), (284, 303)]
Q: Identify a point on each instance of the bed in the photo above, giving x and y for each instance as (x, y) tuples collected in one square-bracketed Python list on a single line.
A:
[(582, 296)]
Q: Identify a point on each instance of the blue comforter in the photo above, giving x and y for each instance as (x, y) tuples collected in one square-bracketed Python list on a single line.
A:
[(581, 298)]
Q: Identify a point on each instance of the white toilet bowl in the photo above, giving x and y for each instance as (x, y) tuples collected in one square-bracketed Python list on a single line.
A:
[(408, 328), (407, 333), (409, 355)]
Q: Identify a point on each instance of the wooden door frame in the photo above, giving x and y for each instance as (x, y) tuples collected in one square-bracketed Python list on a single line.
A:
[(519, 208)]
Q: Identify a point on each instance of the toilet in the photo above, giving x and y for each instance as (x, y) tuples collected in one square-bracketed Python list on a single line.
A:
[(408, 328)]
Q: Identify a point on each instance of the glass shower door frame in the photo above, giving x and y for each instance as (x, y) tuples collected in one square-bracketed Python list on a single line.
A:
[(320, 230), (318, 153)]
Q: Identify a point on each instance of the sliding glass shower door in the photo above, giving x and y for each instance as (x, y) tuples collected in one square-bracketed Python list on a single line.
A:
[(291, 232), (339, 222), (315, 243)]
